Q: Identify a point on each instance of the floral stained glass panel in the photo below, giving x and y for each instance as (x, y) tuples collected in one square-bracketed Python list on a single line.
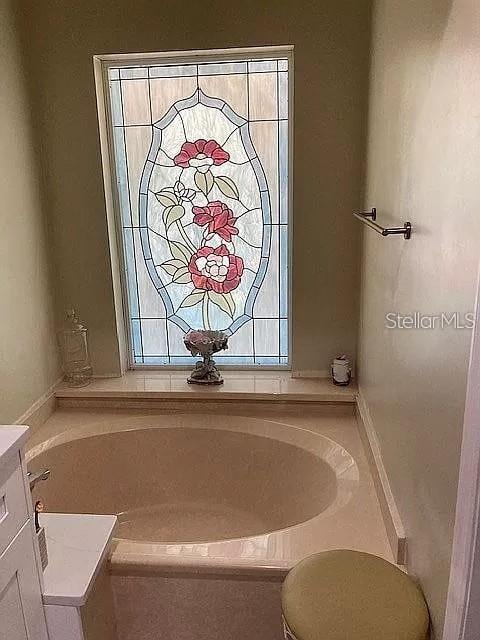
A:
[(201, 160)]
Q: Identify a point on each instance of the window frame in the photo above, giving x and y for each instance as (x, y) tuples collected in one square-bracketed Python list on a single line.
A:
[(102, 64)]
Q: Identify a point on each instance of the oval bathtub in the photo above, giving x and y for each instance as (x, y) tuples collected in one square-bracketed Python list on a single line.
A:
[(195, 486)]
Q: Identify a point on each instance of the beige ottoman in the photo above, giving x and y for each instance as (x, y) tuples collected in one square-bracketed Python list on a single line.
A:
[(348, 595)]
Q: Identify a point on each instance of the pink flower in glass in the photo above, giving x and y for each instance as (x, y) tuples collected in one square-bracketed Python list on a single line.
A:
[(219, 218), (216, 269), (201, 154)]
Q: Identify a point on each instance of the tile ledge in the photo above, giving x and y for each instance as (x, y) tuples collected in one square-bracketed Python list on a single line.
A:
[(262, 386)]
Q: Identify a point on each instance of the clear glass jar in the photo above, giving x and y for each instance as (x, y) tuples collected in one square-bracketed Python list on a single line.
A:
[(74, 350)]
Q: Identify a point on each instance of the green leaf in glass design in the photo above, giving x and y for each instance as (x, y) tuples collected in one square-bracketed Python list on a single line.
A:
[(204, 181), (182, 276), (180, 251), (230, 302), (193, 298), (227, 186), (172, 214), (166, 198), (224, 301), (172, 266)]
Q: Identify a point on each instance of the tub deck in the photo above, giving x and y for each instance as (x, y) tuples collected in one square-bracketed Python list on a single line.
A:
[(357, 524)]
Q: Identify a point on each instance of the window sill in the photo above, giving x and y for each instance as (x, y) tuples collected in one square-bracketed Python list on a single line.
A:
[(271, 386)]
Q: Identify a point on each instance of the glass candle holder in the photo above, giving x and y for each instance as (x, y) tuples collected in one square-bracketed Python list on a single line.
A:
[(74, 351)]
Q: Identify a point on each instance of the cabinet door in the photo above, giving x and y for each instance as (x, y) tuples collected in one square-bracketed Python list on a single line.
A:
[(21, 608), (13, 506)]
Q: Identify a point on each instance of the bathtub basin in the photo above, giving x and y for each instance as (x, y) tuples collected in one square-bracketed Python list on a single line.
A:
[(189, 485), (203, 490)]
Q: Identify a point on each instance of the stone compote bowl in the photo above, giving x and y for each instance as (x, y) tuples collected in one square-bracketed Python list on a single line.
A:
[(205, 343)]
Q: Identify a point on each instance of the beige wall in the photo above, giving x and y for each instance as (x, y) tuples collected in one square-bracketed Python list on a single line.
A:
[(331, 66), (28, 355), (423, 165)]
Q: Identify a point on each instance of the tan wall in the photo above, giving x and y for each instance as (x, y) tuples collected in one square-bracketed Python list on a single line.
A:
[(423, 165), (28, 355), (331, 65)]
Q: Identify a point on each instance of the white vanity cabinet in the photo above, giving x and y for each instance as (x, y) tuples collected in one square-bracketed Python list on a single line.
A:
[(22, 614)]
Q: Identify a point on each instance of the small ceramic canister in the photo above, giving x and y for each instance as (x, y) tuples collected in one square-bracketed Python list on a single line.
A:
[(341, 370)]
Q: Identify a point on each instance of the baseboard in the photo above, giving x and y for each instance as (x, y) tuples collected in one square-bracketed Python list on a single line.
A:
[(41, 409), (393, 524)]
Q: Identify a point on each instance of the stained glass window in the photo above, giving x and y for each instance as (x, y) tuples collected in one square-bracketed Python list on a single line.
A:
[(201, 165)]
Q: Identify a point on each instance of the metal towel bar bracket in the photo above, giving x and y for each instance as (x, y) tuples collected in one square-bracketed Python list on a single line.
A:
[(369, 218)]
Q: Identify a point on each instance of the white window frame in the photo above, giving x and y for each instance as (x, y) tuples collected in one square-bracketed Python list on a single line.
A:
[(102, 64)]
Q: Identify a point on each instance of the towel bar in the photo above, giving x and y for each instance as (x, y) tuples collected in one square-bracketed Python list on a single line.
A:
[(369, 218)]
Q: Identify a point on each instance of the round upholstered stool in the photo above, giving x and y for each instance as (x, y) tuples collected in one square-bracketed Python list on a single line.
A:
[(348, 595)]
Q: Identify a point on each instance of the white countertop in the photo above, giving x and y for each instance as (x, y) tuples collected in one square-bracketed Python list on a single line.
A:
[(77, 547), (12, 438)]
